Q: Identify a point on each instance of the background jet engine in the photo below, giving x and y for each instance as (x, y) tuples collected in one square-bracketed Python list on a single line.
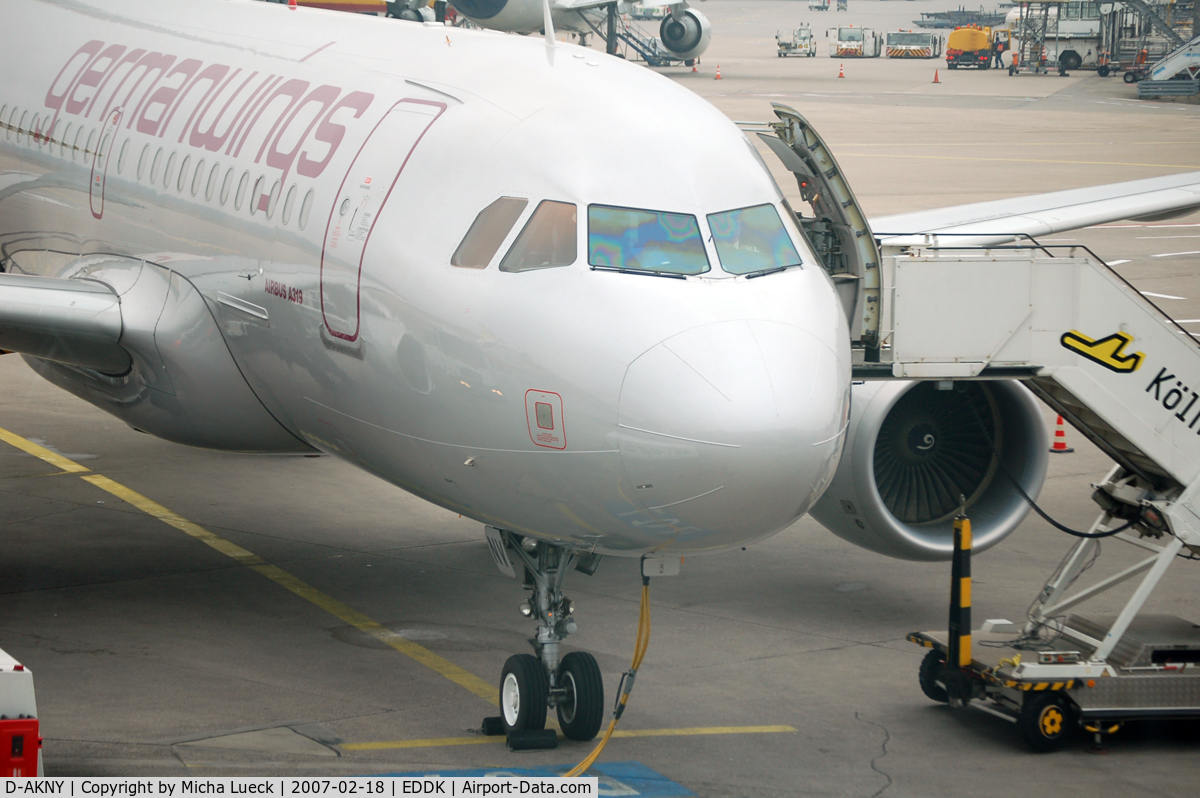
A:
[(912, 450), (685, 34)]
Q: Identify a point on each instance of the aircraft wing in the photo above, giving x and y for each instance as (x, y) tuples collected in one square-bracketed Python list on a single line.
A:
[(579, 5), (76, 322), (1002, 221)]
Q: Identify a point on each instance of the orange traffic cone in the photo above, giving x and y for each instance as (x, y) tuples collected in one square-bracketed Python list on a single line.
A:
[(935, 77), (1060, 439), (292, 4), (718, 77), (841, 71)]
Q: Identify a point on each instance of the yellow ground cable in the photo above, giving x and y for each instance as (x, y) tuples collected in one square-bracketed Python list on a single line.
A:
[(639, 652)]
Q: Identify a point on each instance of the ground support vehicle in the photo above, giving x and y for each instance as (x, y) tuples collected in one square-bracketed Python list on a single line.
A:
[(20, 743), (818, 5), (969, 46), (910, 44), (854, 42), (1058, 673), (799, 42), (1115, 367)]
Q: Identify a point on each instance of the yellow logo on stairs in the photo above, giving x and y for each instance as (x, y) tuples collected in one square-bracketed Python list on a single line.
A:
[(1106, 351)]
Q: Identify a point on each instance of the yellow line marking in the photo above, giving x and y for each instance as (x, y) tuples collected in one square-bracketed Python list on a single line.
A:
[(54, 459), (424, 656), (479, 740)]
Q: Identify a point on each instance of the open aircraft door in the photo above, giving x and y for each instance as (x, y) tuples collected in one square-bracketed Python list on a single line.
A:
[(365, 189), (108, 136)]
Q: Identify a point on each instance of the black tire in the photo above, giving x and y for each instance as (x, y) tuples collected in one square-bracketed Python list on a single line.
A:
[(1047, 721), (581, 711), (1103, 71), (1129, 77), (524, 690), (1012, 70), (1071, 60), (933, 670)]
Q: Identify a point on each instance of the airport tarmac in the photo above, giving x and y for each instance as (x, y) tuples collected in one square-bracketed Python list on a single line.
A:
[(204, 613)]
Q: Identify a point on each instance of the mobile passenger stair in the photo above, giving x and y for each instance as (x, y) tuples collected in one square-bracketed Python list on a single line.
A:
[(1095, 350), (1176, 75)]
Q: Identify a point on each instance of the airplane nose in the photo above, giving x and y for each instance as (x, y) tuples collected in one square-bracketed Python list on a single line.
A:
[(731, 429)]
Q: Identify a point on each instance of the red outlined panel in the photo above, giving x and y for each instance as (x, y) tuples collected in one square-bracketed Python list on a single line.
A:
[(104, 151), (364, 191), (544, 415)]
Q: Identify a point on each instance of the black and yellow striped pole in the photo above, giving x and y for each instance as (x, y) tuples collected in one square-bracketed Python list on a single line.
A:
[(958, 654)]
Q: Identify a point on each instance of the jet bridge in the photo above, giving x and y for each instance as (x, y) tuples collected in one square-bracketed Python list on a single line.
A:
[(961, 307)]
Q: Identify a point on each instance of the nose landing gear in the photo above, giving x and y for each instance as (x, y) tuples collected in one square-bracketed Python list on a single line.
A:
[(530, 684)]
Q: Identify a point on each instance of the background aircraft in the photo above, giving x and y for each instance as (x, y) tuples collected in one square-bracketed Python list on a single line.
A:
[(683, 33), (367, 241)]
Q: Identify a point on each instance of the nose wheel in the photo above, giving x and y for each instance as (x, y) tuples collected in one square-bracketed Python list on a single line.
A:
[(530, 684)]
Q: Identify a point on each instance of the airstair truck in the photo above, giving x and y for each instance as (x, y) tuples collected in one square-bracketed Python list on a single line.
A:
[(910, 44), (20, 745), (854, 42), (1111, 363), (800, 42)]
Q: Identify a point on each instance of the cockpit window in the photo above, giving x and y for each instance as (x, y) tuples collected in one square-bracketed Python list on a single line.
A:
[(752, 240), (488, 232), (648, 241), (548, 239)]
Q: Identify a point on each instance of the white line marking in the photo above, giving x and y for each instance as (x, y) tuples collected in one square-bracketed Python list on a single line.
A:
[(1118, 263), (1187, 321), (1151, 293), (1144, 238), (1173, 254)]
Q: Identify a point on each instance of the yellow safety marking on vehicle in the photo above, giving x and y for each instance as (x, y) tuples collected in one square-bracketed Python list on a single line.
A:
[(1107, 351), (41, 452), (630, 733), (424, 656)]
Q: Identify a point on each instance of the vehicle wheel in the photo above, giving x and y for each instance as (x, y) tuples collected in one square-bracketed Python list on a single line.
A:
[(523, 693), (581, 711), (933, 670), (1012, 70), (1046, 721), (1103, 71), (1071, 60), (1129, 77), (986, 65), (951, 66)]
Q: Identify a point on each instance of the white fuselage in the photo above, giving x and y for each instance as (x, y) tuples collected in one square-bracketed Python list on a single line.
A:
[(311, 175)]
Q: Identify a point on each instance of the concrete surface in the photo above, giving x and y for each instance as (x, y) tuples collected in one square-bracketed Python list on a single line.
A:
[(155, 654)]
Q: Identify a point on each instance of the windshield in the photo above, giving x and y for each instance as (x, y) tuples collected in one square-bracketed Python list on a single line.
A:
[(850, 34), (908, 39), (752, 240), (488, 232), (547, 240), (653, 241)]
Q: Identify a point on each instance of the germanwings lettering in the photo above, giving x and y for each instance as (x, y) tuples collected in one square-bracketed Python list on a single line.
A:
[(214, 107)]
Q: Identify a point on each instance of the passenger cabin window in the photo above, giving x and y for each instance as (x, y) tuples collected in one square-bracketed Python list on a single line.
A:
[(548, 239), (488, 232), (645, 241), (750, 240)]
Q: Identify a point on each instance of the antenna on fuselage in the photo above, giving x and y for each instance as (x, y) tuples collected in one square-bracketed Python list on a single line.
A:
[(548, 30)]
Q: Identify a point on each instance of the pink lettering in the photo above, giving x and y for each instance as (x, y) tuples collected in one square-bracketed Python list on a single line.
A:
[(322, 96), (92, 77), (165, 96), (332, 133)]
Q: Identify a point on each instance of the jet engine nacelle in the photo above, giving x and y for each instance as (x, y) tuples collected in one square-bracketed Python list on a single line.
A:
[(913, 450), (685, 34)]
